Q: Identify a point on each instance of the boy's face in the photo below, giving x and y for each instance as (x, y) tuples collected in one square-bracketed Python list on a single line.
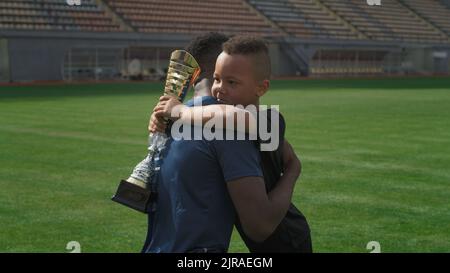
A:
[(235, 80)]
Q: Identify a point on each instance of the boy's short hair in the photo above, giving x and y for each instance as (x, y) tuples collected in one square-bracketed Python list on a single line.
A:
[(205, 49), (251, 46)]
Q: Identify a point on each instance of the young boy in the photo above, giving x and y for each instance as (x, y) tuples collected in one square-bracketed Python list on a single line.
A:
[(241, 77)]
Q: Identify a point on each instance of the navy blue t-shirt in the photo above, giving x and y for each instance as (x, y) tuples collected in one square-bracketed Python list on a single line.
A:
[(194, 209)]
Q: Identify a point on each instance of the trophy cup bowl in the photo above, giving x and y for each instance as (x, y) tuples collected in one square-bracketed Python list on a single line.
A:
[(136, 192)]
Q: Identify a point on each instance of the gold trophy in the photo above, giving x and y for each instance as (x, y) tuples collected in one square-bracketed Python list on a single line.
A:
[(139, 190)]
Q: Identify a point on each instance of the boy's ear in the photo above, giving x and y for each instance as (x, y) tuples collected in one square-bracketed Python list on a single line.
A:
[(264, 86)]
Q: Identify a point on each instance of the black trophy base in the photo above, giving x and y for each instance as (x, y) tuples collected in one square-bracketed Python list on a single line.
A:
[(133, 196)]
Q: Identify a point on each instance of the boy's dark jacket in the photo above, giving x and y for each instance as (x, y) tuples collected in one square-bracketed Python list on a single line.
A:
[(293, 231)]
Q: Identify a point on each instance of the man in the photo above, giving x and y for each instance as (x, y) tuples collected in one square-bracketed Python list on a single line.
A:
[(235, 162), (205, 49)]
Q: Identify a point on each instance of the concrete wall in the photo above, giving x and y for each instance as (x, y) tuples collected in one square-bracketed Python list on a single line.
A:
[(282, 64), (36, 57), (427, 60), (414, 61), (39, 56), (4, 61), (441, 61)]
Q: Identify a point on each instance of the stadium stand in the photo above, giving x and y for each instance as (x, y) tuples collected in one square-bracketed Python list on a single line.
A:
[(393, 22), (191, 16), (434, 11), (421, 21), (54, 15), (446, 3), (99, 39), (304, 19)]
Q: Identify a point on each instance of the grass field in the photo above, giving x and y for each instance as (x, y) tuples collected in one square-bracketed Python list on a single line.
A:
[(375, 154)]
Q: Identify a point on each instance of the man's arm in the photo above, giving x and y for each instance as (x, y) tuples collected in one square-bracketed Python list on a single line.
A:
[(259, 212)]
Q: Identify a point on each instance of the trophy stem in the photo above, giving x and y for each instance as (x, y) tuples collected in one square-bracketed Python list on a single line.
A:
[(139, 190)]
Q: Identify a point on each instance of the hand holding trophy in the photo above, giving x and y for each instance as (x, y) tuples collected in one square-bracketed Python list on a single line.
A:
[(139, 190)]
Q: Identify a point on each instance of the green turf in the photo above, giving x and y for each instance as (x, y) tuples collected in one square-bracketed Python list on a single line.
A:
[(375, 154)]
